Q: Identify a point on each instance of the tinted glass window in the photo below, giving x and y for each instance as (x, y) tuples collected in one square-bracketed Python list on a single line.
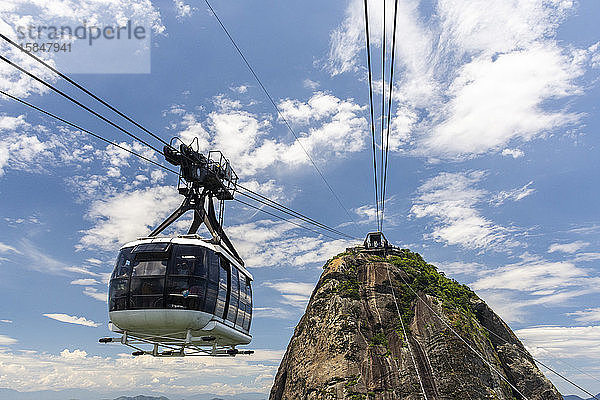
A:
[(189, 260), (123, 263), (117, 294), (235, 294), (152, 267), (222, 295), (211, 297), (147, 286), (152, 247)]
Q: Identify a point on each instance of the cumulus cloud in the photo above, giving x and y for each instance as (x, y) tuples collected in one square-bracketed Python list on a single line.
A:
[(473, 77), (266, 243), (561, 341), (14, 14), (6, 340), (96, 294), (451, 200), (71, 319), (587, 316), (85, 282), (182, 9), (326, 126), (125, 216), (76, 369), (571, 248), (534, 274), (514, 195), (295, 294)]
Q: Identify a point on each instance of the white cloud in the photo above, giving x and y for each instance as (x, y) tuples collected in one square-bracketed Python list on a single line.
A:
[(125, 216), (514, 195), (76, 369), (562, 342), (534, 274), (473, 77), (95, 294), (71, 319), (571, 248), (6, 321), (239, 89), (460, 268), (85, 282), (266, 243), (587, 316), (68, 13), (334, 128), (310, 84), (514, 153), (4, 248), (183, 10), (5, 340), (295, 294), (451, 200)]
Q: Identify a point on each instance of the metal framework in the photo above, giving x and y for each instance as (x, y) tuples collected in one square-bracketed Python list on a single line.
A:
[(180, 344), (202, 179)]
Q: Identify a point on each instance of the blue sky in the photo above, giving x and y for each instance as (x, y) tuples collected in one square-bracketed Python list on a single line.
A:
[(492, 176)]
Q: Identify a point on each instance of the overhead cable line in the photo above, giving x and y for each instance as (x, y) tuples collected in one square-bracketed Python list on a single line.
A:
[(389, 115), (87, 131), (282, 218), (271, 203), (279, 207), (383, 63), (77, 85), (280, 113), (368, 40), (63, 94), (405, 336), (541, 363), (463, 340)]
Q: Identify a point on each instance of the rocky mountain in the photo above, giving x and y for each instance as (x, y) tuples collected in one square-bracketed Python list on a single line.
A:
[(362, 338)]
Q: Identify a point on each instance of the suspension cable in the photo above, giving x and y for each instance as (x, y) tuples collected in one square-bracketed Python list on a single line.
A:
[(264, 89), (389, 115), (282, 218), (371, 110), (79, 104), (87, 131), (281, 208), (463, 340), (383, 49), (541, 363), (404, 333), (77, 85)]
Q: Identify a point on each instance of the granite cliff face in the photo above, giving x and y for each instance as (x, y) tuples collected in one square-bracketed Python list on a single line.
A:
[(350, 345)]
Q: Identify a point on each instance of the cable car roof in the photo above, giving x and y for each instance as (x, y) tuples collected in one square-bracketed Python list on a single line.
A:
[(196, 241)]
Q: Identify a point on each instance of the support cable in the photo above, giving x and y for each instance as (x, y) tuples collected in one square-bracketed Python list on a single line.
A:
[(541, 363), (266, 201), (63, 94), (404, 334), (383, 49), (463, 340), (292, 213), (368, 40), (87, 131), (282, 218), (77, 85), (389, 116), (280, 113)]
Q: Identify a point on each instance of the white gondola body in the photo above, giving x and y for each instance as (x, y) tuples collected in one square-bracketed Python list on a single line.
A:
[(175, 312)]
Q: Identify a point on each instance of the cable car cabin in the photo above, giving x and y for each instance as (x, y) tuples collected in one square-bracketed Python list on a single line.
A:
[(183, 288)]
